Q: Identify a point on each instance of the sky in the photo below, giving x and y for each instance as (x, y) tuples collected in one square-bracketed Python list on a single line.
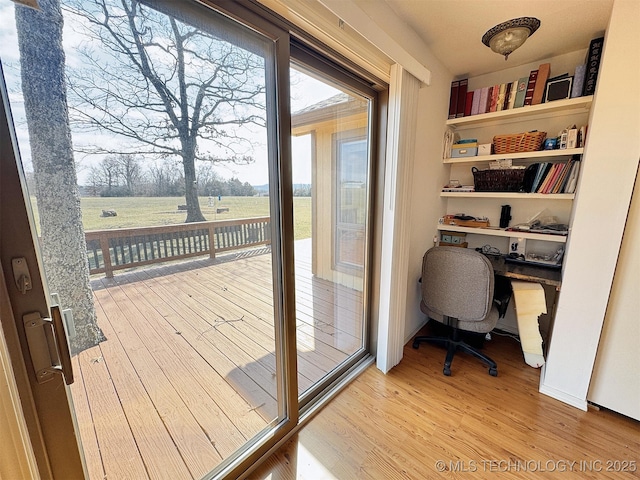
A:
[(305, 91)]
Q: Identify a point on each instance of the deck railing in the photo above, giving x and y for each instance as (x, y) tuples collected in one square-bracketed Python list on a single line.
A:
[(110, 250)]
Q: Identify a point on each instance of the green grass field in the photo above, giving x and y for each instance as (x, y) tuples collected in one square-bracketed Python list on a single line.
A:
[(152, 211)]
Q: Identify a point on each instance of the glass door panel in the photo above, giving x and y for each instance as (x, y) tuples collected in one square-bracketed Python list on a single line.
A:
[(144, 156), (331, 184)]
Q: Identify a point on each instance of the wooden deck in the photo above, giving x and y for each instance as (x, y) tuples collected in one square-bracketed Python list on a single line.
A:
[(187, 373)]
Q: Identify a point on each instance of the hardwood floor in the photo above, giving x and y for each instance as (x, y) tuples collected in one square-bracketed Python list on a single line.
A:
[(415, 423), (187, 374)]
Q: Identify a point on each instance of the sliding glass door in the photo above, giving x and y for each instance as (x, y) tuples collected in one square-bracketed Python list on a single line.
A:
[(202, 222), (332, 165), (142, 156)]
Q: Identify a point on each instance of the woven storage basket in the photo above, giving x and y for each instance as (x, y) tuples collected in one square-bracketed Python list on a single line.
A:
[(507, 180), (518, 142)]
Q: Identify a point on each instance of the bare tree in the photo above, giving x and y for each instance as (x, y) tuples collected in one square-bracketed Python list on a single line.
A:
[(110, 170), (168, 88), (42, 64), (129, 171)]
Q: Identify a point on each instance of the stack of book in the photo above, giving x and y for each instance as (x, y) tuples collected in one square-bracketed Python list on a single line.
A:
[(528, 90), (524, 91), (558, 177)]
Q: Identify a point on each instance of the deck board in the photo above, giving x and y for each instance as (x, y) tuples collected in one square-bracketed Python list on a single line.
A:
[(188, 372)]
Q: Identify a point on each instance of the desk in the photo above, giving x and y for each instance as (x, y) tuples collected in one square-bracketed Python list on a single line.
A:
[(527, 273), (532, 307)]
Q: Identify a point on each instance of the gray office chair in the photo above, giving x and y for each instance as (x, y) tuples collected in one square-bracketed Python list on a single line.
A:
[(458, 290)]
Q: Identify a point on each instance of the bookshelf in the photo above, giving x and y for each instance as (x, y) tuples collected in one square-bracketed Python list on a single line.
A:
[(525, 156), (501, 232), (533, 112), (545, 117), (510, 195)]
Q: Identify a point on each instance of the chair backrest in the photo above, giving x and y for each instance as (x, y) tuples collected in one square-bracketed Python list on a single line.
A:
[(457, 282)]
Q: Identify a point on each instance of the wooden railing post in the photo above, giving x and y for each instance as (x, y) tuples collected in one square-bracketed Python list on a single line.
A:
[(106, 255), (212, 241)]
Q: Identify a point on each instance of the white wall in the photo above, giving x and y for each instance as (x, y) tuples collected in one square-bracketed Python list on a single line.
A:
[(429, 175), (609, 168)]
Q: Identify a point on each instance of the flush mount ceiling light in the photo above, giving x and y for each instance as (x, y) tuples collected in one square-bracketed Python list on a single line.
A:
[(508, 36)]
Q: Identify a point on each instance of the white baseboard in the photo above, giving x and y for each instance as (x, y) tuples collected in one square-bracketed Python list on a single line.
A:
[(580, 403), (415, 331)]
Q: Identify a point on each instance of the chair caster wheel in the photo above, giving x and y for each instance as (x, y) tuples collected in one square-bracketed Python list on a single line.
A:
[(493, 372), (447, 371), (416, 344)]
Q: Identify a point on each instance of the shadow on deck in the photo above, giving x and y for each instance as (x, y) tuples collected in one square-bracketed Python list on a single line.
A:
[(188, 371)]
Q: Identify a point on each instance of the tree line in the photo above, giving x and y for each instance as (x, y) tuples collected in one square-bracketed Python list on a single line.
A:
[(126, 175)]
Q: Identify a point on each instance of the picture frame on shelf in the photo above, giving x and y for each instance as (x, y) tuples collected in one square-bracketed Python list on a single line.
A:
[(559, 89)]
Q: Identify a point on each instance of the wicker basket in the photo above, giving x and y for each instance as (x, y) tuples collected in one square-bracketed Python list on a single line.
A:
[(507, 180), (518, 142)]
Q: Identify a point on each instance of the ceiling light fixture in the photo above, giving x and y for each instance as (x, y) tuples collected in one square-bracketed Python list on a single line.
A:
[(508, 36)]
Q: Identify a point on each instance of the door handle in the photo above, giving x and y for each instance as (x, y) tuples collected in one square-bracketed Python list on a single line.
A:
[(48, 345)]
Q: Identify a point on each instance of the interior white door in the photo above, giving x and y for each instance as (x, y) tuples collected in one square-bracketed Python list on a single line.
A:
[(614, 383)]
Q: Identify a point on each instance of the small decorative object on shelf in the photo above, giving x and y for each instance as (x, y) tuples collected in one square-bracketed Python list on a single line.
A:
[(558, 88), (484, 149), (593, 65)]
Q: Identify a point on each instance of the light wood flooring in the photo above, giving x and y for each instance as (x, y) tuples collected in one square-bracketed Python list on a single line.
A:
[(187, 374), (415, 423)]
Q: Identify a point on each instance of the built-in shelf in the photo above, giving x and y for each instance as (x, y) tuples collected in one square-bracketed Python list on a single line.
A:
[(500, 232), (532, 156), (571, 107), (512, 195), (564, 107)]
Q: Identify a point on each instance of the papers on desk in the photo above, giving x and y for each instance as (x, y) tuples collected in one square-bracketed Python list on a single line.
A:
[(542, 260)]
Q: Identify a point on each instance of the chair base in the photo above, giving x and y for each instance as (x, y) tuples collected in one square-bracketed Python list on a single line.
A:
[(453, 344)]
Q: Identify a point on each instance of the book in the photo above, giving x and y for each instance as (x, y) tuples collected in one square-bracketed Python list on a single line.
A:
[(541, 83), (476, 102), (550, 178), (531, 86), (500, 100), (556, 177), (520, 93), (507, 94), (573, 178), (484, 98), (545, 179), (453, 99), (468, 105), (593, 65), (494, 98), (542, 173), (462, 97), (459, 188), (512, 95), (557, 188), (578, 81), (565, 180)]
